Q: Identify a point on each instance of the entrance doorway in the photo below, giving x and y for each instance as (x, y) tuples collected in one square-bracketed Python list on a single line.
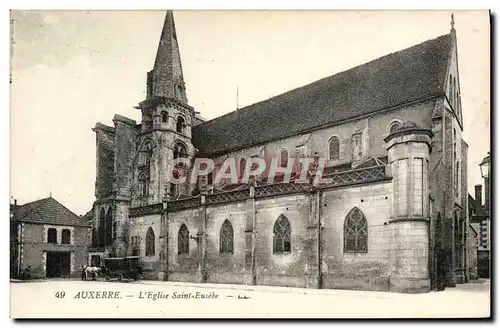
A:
[(58, 264)]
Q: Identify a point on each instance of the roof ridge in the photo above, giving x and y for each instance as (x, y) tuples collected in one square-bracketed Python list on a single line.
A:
[(32, 209), (325, 78)]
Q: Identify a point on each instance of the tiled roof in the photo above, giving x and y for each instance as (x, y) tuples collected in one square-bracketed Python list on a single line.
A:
[(402, 77), (48, 211)]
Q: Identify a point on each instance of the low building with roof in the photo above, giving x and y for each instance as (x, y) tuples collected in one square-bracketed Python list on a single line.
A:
[(47, 239)]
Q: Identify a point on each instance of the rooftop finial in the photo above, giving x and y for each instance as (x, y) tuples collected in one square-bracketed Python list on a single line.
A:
[(452, 22)]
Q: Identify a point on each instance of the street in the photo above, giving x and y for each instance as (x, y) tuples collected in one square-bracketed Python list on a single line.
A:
[(155, 299)]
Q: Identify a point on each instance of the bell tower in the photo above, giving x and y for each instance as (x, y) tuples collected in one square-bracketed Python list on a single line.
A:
[(165, 130)]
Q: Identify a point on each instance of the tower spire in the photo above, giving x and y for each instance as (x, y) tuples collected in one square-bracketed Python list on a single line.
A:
[(166, 78), (452, 23)]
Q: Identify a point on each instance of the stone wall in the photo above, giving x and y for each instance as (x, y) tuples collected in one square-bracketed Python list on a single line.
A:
[(367, 271)]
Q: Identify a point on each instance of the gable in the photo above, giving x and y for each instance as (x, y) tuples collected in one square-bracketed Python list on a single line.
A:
[(48, 211), (409, 75)]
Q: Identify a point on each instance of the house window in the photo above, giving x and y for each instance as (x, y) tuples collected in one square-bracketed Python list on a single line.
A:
[(282, 236), (150, 242), (226, 238), (180, 125), (183, 240), (284, 158), (355, 232), (334, 149), (164, 117), (52, 236), (66, 236)]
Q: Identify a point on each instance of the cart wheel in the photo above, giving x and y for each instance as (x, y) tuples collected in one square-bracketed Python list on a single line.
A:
[(120, 277), (106, 278)]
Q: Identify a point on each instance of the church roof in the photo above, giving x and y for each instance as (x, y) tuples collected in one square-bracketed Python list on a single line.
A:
[(402, 77), (47, 211)]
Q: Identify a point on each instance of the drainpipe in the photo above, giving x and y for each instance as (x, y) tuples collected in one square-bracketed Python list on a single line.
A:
[(320, 228), (254, 236)]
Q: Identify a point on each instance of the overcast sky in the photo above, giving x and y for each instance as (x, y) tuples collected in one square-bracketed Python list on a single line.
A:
[(71, 69)]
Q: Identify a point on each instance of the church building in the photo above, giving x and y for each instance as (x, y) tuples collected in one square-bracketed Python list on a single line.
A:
[(391, 217)]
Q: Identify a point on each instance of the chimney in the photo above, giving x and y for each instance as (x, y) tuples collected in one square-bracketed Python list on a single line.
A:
[(479, 198)]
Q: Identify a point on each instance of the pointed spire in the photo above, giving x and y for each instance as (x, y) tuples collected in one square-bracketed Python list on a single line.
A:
[(452, 24), (166, 78)]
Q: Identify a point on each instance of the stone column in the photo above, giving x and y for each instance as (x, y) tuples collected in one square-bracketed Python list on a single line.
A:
[(313, 241), (163, 270), (250, 239), (408, 154)]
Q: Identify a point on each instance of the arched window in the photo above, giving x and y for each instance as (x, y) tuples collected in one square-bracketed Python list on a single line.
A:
[(150, 242), (164, 117), (334, 148), (454, 93), (226, 238), (179, 151), (102, 227), (355, 232), (52, 236), (66, 236), (143, 184), (394, 126), (183, 240), (284, 158), (109, 227), (282, 233), (243, 164), (457, 174), (173, 185), (180, 125), (451, 91)]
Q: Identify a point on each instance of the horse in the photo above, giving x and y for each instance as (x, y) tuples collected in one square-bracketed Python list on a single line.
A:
[(92, 271)]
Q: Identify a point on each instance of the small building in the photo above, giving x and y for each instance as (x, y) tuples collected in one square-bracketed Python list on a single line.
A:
[(480, 221), (47, 239)]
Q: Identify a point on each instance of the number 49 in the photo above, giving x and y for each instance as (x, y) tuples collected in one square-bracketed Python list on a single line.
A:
[(60, 294)]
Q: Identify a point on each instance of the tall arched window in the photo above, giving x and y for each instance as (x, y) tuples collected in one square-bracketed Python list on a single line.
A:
[(164, 117), (457, 175), (180, 125), (226, 238), (150, 242), (454, 93), (243, 164), (109, 227), (334, 149), (282, 233), (355, 232), (102, 227), (143, 184), (451, 92), (284, 158), (394, 126), (183, 240)]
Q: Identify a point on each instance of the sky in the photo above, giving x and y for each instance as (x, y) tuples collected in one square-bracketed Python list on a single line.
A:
[(71, 69)]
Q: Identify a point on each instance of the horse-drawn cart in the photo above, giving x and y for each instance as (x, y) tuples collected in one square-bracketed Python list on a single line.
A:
[(122, 268)]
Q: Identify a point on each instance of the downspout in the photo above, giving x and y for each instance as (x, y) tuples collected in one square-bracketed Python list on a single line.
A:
[(254, 236), (320, 228)]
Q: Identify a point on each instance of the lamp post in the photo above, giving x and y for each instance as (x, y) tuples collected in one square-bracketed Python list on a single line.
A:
[(485, 174)]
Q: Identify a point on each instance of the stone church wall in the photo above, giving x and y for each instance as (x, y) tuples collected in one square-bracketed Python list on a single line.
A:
[(366, 271)]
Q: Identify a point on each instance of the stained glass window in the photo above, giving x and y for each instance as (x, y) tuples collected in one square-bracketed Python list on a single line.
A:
[(355, 232), (226, 238), (334, 148), (150, 242), (282, 236), (183, 240)]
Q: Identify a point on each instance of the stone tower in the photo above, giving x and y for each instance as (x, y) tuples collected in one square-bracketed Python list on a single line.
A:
[(165, 131), (408, 151)]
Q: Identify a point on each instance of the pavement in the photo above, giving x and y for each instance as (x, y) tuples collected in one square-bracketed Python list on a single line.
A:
[(62, 298)]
